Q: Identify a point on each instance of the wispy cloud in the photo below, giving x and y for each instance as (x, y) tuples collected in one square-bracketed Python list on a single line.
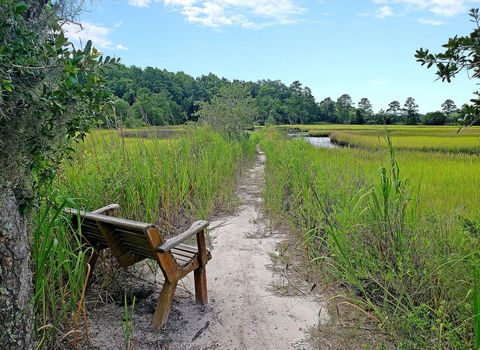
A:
[(384, 11), (81, 33), (139, 3), (443, 8), (252, 14), (430, 22)]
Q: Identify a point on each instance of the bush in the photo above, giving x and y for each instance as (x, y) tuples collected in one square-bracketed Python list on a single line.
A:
[(434, 118)]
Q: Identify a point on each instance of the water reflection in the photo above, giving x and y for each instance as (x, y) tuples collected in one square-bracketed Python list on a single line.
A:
[(321, 142)]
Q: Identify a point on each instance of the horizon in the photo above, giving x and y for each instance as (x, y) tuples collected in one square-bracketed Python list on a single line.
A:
[(365, 49)]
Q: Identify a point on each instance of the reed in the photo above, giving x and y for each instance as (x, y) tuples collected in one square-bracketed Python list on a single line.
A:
[(399, 229), (169, 182)]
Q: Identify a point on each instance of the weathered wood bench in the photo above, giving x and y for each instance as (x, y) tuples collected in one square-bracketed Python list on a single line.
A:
[(133, 241)]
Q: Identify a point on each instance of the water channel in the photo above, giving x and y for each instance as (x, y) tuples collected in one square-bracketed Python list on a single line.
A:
[(321, 142)]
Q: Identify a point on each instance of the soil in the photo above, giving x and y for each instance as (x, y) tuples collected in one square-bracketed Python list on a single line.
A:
[(253, 302)]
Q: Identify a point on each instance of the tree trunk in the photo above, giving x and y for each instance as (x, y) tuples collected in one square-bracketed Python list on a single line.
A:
[(16, 287)]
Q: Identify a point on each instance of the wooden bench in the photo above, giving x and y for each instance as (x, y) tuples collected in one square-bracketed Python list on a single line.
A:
[(132, 241)]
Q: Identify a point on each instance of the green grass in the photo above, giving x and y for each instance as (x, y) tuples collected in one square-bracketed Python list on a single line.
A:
[(156, 180), (60, 272), (169, 182), (402, 232)]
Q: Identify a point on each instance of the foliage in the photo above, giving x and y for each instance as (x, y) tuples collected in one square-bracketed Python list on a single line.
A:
[(461, 54), (157, 108), (344, 107), (232, 111), (183, 93), (411, 111), (393, 111), (50, 94), (434, 118), (449, 107), (364, 113), (160, 97)]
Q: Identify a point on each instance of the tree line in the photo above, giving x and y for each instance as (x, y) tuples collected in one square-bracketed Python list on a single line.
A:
[(154, 96)]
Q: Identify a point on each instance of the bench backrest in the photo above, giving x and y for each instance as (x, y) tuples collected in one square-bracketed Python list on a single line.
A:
[(127, 239)]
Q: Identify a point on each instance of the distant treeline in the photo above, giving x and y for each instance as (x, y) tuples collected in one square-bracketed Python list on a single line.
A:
[(158, 97)]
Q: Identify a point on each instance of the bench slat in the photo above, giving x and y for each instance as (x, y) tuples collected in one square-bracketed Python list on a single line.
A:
[(187, 248), (182, 253), (136, 225)]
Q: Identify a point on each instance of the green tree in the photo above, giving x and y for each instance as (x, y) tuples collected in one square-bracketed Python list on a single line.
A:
[(434, 118), (301, 106), (359, 117), (449, 107), (50, 94), (231, 111), (393, 112), (270, 121), (121, 110), (410, 109), (364, 111), (365, 106), (462, 53), (379, 118), (157, 108), (327, 110), (344, 107)]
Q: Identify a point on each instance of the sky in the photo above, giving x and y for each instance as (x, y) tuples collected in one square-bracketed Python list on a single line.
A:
[(364, 48)]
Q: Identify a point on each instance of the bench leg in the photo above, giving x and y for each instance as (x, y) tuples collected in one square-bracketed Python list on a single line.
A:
[(200, 276), (164, 304)]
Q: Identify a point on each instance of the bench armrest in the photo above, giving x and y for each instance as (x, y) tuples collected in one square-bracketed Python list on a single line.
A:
[(197, 227), (107, 210)]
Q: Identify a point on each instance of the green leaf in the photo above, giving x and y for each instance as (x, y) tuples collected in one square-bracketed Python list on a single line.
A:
[(21, 7), (88, 47), (7, 85)]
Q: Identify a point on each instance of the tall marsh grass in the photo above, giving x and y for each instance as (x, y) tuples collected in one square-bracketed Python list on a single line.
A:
[(403, 246), (156, 180), (169, 182), (60, 273)]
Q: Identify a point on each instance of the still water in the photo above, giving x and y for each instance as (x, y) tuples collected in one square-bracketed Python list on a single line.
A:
[(321, 142)]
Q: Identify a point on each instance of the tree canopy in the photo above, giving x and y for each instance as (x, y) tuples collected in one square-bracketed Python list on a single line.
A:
[(231, 111), (158, 97)]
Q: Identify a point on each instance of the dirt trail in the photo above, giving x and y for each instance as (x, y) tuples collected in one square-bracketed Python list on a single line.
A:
[(245, 311)]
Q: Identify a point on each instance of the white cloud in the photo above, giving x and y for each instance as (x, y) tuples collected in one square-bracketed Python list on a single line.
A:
[(139, 3), (243, 13), (444, 8), (431, 22), (383, 12), (99, 35)]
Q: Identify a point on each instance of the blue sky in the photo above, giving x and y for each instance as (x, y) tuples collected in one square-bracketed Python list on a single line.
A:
[(361, 47)]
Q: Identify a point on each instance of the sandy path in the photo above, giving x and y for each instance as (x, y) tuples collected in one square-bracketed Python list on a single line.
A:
[(244, 310), (249, 314)]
